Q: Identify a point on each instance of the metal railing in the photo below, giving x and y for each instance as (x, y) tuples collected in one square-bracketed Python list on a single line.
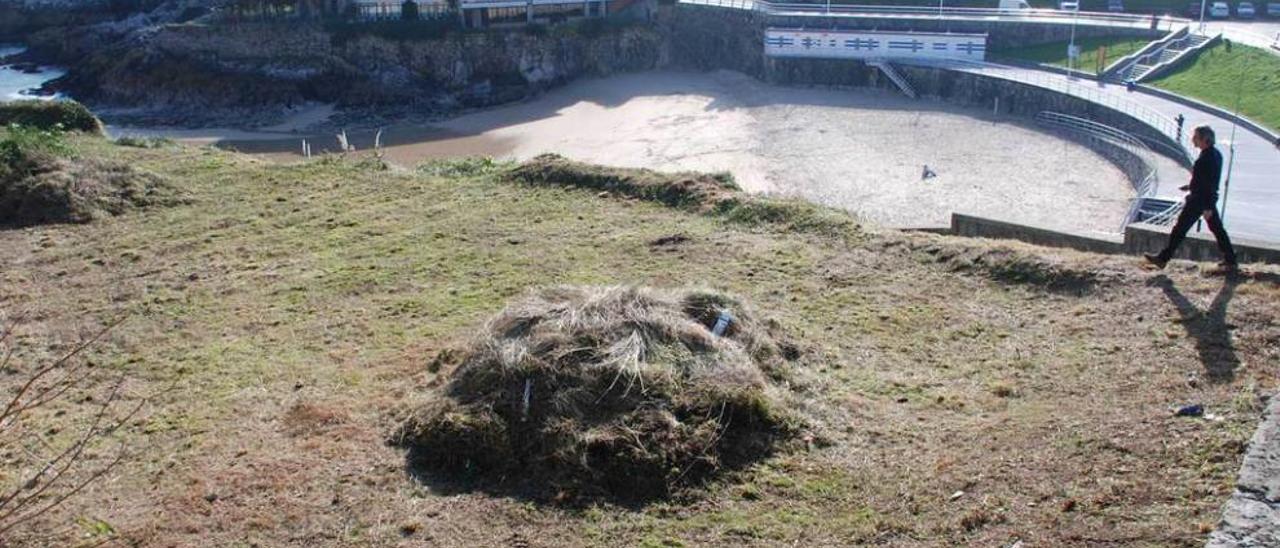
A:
[(894, 76), (942, 12), (1087, 90), (1155, 58), (1148, 185), (1166, 217), (1147, 181)]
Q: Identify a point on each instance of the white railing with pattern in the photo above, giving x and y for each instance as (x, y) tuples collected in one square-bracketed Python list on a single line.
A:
[(983, 14)]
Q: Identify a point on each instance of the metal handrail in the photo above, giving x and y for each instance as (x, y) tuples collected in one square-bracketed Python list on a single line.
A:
[(1146, 186), (1166, 217), (1056, 82)]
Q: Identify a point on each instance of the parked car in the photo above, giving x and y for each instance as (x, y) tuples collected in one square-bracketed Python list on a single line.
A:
[(1014, 5), (1244, 10), (1273, 9), (1219, 10), (1115, 6), (1069, 5)]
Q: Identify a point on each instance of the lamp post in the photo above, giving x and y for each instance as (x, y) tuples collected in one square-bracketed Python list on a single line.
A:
[(1071, 47), (1203, 3), (1231, 160)]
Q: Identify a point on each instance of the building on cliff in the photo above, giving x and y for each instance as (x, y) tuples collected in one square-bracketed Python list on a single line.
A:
[(486, 13), (492, 13), (391, 9)]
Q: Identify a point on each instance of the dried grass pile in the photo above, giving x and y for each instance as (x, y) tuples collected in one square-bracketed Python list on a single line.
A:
[(695, 191), (617, 391)]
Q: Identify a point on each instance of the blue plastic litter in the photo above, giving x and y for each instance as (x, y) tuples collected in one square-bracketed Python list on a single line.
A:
[(1190, 411)]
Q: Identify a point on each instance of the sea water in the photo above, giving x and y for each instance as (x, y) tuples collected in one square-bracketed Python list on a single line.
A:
[(16, 84)]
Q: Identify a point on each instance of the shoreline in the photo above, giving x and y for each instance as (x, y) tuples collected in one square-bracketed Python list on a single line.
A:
[(860, 150)]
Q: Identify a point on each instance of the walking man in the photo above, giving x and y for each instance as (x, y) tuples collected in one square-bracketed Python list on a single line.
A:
[(1202, 201)]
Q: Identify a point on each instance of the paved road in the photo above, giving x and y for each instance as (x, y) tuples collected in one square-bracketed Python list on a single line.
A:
[(1262, 33), (1252, 208)]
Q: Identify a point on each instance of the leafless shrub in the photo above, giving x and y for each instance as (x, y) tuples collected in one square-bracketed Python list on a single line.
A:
[(50, 468)]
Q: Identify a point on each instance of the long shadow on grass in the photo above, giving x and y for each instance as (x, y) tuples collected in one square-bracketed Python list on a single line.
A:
[(1209, 327)]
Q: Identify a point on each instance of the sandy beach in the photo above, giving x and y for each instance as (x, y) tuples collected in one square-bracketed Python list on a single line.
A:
[(862, 150)]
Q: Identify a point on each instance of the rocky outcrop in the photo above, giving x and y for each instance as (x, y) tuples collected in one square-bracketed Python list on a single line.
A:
[(194, 73)]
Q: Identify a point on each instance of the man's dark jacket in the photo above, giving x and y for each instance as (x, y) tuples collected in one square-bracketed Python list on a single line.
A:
[(1204, 179)]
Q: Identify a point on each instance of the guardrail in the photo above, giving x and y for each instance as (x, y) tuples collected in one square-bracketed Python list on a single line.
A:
[(1146, 185), (1123, 64), (1087, 91), (942, 12)]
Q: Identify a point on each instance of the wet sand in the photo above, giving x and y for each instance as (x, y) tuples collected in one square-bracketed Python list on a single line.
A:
[(862, 150)]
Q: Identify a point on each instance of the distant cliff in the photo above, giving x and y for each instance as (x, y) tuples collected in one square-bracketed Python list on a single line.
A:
[(192, 74)]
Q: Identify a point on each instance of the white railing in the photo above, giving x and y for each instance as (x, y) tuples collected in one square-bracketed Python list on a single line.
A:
[(1087, 90), (1166, 217), (1148, 181), (987, 14)]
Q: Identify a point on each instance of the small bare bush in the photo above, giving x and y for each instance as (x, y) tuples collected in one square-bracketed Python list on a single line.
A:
[(48, 455)]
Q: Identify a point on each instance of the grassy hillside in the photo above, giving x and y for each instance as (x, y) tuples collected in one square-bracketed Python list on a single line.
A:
[(1229, 76), (972, 393), (1055, 53)]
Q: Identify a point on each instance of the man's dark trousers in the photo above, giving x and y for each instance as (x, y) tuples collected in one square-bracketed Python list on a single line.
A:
[(1191, 213)]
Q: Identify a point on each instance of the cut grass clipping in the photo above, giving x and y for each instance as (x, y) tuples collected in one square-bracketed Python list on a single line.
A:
[(621, 392), (713, 194)]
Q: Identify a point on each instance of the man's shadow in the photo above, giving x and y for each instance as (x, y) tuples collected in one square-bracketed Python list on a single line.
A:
[(1209, 327)]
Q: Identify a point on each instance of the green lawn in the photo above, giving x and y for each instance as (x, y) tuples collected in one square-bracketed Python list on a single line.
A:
[(1055, 53), (1230, 76)]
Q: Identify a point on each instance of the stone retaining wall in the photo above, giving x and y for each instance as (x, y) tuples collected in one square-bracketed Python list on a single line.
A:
[(706, 38), (1138, 238)]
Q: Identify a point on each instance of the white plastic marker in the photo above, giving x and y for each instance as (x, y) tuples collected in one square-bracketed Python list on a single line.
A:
[(722, 323), (528, 392)]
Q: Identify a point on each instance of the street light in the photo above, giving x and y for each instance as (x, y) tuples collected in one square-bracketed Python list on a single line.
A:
[(1231, 161), (1071, 47), (1203, 3)]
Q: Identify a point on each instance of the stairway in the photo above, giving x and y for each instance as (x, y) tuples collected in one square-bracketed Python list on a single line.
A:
[(896, 77), (1139, 69), (1156, 211)]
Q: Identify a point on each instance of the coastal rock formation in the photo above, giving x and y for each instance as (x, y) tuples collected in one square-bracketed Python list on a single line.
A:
[(193, 73)]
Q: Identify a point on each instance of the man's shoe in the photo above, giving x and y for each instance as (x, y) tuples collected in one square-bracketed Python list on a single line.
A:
[(1156, 260)]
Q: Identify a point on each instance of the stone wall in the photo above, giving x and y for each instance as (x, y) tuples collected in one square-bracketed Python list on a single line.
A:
[(980, 227), (1138, 238), (708, 38)]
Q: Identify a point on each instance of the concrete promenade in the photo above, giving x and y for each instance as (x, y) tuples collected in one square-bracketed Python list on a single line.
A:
[(1252, 206)]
